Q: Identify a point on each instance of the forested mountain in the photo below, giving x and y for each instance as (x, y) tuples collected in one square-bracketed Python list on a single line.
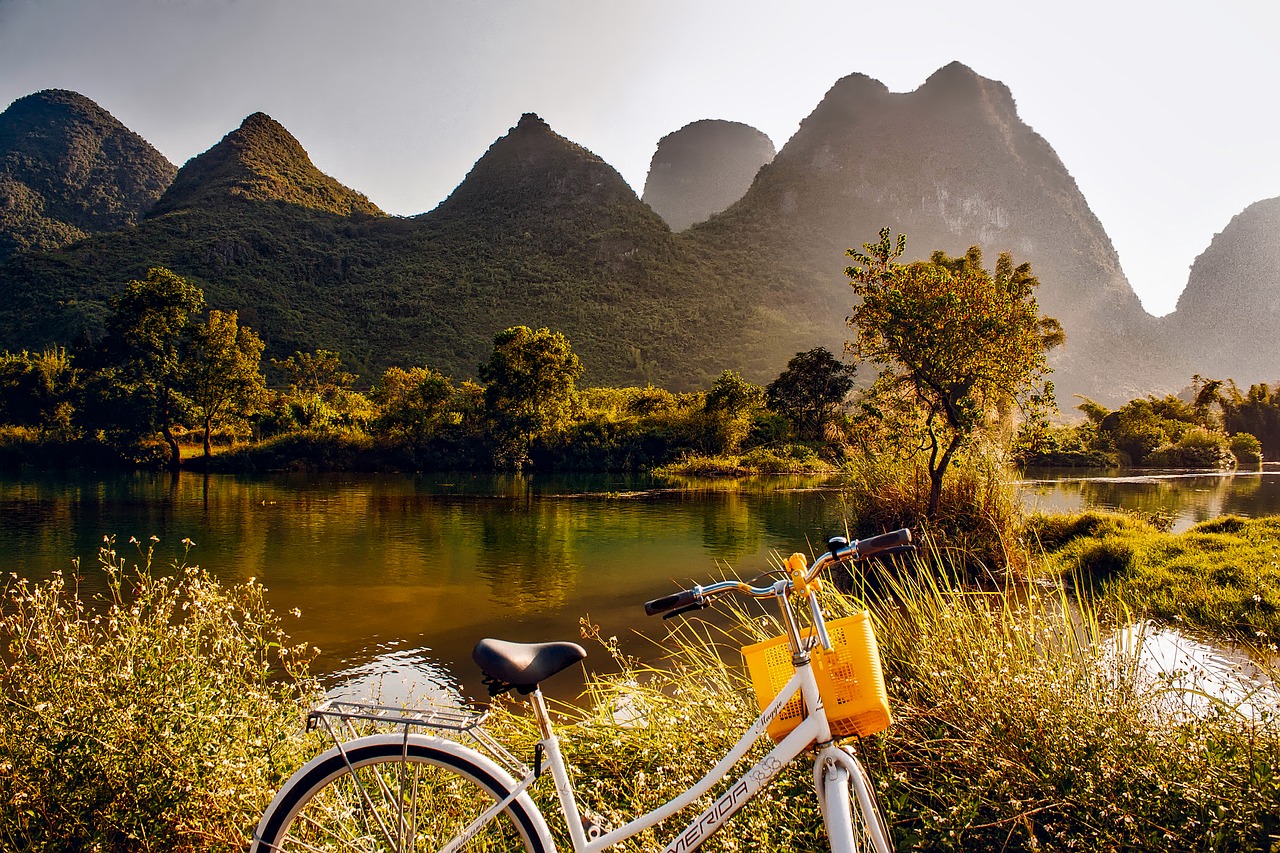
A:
[(68, 169), (260, 161), (542, 232), (703, 168)]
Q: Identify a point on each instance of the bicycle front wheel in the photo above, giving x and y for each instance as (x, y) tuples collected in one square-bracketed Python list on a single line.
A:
[(850, 810), (383, 794)]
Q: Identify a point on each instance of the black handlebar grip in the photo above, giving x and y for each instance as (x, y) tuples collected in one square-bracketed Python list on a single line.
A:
[(669, 602), (683, 610), (874, 546)]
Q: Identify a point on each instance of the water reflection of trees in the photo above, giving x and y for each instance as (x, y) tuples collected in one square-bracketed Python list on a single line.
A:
[(527, 551), (1186, 499)]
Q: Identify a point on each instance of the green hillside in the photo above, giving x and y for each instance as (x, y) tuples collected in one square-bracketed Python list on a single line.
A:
[(542, 232), (68, 169)]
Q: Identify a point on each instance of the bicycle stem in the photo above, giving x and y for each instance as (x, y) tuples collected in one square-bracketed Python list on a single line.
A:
[(799, 654)]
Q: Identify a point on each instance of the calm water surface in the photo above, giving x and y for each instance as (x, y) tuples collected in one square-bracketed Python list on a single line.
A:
[(398, 576), (1187, 497)]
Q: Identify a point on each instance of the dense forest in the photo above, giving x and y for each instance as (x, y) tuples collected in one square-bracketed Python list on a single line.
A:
[(172, 383)]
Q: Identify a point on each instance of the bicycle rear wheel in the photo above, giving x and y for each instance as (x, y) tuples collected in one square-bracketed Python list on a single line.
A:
[(381, 794)]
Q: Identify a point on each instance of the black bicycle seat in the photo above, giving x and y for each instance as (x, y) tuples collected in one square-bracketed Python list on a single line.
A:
[(522, 666)]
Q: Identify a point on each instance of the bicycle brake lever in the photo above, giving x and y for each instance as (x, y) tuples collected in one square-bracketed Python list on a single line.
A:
[(685, 609)]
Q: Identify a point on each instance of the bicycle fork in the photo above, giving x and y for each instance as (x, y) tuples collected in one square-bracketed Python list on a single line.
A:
[(836, 773)]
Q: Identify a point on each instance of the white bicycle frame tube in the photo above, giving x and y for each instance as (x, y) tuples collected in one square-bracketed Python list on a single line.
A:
[(813, 729)]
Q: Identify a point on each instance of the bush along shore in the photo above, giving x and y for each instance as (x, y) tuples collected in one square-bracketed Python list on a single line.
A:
[(164, 715)]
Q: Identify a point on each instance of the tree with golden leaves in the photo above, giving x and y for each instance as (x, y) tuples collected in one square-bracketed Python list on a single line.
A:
[(957, 341)]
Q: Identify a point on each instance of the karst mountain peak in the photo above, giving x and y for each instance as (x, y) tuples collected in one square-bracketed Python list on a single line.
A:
[(68, 169), (261, 161), (532, 170), (734, 260)]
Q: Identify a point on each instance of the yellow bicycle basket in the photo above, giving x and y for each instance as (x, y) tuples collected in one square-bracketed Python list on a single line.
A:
[(849, 678)]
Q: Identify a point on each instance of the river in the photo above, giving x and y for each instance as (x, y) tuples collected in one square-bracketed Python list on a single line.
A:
[(397, 576)]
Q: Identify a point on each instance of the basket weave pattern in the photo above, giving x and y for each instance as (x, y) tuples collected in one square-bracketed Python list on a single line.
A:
[(849, 678)]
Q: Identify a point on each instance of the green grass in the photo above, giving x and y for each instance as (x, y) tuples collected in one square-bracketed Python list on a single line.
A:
[(791, 459), (1221, 576)]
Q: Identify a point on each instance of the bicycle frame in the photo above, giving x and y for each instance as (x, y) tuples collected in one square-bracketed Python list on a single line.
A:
[(814, 729)]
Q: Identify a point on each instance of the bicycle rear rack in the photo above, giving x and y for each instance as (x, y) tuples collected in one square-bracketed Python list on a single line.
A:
[(440, 718)]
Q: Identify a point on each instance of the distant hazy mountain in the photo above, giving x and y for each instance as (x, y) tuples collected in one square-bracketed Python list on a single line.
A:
[(703, 168), (950, 165), (68, 168), (1227, 321)]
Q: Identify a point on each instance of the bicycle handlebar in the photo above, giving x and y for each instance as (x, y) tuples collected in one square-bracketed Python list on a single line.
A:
[(839, 551)]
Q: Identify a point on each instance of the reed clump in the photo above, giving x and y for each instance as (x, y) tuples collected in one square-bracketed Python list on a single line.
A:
[(1022, 726), (153, 718), (978, 526)]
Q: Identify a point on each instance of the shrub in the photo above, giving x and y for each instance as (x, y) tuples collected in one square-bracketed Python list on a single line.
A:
[(154, 719), (1197, 448), (978, 522), (1246, 448), (309, 450)]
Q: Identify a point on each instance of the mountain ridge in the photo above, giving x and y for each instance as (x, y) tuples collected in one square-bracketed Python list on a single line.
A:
[(542, 231)]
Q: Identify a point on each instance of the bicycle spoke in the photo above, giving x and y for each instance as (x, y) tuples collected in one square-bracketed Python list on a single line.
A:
[(399, 806)]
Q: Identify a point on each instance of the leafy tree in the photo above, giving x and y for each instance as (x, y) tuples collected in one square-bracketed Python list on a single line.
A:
[(317, 373), (415, 402), (958, 340), (222, 373), (811, 390), (529, 389), (1257, 412), (1246, 448), (36, 390), (729, 406), (320, 393), (142, 355), (1206, 394)]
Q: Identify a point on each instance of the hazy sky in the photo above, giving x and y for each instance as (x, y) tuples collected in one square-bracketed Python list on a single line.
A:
[(1162, 111)]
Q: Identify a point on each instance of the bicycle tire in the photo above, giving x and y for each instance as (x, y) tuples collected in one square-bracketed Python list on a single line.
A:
[(880, 831), (383, 794)]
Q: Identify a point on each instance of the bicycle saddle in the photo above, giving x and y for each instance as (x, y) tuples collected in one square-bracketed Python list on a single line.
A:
[(521, 666)]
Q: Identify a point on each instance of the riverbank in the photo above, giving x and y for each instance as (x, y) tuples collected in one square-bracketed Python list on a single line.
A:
[(1019, 724)]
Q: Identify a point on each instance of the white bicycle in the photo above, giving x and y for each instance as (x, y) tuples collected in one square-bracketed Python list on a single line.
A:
[(409, 791)]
